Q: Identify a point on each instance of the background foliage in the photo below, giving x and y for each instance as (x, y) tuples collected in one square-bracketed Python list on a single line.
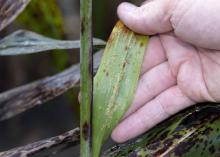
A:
[(58, 19)]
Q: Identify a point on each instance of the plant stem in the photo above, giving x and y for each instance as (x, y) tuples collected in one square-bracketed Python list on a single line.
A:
[(86, 61)]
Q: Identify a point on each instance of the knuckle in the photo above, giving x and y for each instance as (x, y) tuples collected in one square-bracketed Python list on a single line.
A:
[(165, 108)]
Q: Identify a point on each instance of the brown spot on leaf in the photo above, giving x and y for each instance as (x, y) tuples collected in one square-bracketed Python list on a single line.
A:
[(83, 25), (154, 145), (124, 64), (110, 39), (126, 48), (212, 149), (86, 131)]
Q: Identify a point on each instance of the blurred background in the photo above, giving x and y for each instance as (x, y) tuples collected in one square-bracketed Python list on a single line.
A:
[(57, 19)]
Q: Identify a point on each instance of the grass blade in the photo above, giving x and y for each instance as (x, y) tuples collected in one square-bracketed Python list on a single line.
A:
[(116, 80), (25, 42), (48, 147), (9, 10), (20, 99)]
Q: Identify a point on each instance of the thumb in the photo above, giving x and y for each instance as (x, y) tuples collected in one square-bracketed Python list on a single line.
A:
[(151, 18)]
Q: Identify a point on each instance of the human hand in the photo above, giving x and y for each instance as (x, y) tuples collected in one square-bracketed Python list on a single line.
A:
[(182, 62)]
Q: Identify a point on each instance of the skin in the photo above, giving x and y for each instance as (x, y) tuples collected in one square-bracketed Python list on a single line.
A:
[(182, 62)]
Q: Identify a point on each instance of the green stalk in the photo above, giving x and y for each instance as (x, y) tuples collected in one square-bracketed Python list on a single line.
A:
[(86, 77)]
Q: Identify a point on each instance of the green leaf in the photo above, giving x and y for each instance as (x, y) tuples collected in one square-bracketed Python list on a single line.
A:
[(116, 81), (25, 42), (192, 133), (9, 10)]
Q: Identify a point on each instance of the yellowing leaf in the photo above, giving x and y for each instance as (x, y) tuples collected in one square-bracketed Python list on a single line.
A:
[(116, 81)]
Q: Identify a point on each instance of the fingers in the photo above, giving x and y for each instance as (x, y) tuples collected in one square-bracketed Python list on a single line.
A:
[(186, 64), (166, 104), (178, 51), (154, 54), (151, 18), (151, 84)]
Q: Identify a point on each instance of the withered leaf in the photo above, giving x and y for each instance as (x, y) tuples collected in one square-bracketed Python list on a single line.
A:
[(24, 42), (9, 10)]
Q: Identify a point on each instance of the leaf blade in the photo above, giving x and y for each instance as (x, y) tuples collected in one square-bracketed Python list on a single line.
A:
[(116, 80), (24, 42), (193, 132)]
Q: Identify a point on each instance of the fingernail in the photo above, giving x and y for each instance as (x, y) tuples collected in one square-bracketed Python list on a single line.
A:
[(128, 7)]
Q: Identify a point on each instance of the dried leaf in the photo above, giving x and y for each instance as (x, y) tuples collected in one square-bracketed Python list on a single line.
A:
[(9, 10), (115, 82), (18, 100), (51, 145), (25, 42)]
